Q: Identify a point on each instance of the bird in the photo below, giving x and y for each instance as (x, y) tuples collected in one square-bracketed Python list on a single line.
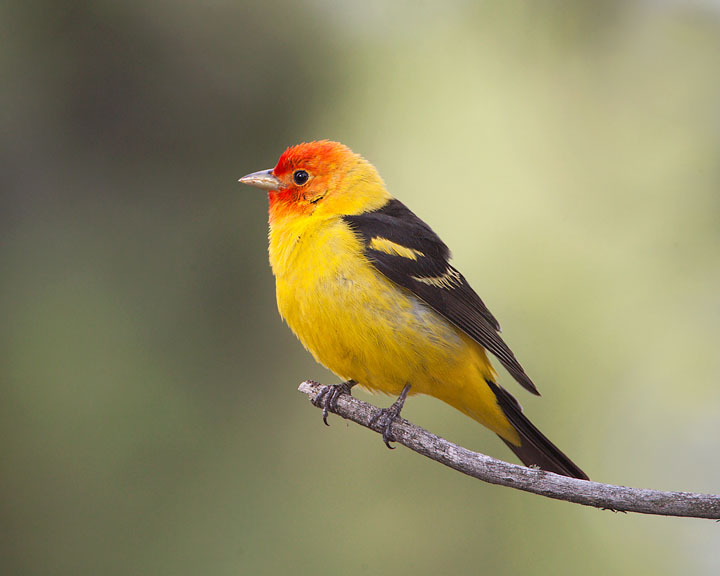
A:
[(369, 290)]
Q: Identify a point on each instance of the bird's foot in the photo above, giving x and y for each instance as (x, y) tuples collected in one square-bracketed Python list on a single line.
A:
[(328, 397), (386, 417)]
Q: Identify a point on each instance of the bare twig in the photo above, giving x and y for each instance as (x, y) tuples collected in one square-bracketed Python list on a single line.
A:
[(607, 496)]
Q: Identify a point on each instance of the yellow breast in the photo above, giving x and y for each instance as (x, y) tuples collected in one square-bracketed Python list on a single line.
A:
[(363, 327), (355, 321)]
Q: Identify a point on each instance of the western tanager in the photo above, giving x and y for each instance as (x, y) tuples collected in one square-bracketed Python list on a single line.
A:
[(368, 288)]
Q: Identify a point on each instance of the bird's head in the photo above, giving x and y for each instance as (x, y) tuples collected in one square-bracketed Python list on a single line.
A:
[(321, 179)]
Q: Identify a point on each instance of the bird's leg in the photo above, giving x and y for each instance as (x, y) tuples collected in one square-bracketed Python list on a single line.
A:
[(387, 415), (328, 397)]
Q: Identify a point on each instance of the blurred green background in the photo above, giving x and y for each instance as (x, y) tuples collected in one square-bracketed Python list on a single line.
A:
[(569, 154)]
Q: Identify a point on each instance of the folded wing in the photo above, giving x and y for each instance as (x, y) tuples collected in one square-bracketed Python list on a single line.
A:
[(407, 251)]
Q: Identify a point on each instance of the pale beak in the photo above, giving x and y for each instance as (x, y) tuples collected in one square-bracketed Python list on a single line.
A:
[(263, 179)]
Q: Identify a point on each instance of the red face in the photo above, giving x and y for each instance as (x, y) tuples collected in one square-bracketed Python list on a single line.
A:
[(306, 173)]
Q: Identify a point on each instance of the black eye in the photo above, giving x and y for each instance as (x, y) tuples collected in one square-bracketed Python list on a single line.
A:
[(300, 177)]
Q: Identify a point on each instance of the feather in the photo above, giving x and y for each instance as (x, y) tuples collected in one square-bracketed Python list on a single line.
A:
[(429, 275)]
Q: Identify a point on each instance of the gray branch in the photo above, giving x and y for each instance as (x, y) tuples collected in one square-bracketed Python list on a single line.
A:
[(588, 493)]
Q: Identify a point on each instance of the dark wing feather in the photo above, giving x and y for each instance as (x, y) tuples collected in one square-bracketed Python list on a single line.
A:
[(431, 277)]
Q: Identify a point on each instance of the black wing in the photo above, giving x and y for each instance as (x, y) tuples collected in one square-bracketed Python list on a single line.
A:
[(409, 253)]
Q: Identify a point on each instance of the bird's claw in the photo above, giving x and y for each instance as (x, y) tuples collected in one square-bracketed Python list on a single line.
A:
[(328, 397), (386, 417)]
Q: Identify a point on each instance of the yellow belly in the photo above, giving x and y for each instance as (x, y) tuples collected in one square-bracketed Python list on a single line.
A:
[(363, 327)]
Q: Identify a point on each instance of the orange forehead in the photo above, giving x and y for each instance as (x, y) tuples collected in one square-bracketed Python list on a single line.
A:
[(323, 154)]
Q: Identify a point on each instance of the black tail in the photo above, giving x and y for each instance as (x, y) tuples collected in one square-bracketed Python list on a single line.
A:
[(535, 449)]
